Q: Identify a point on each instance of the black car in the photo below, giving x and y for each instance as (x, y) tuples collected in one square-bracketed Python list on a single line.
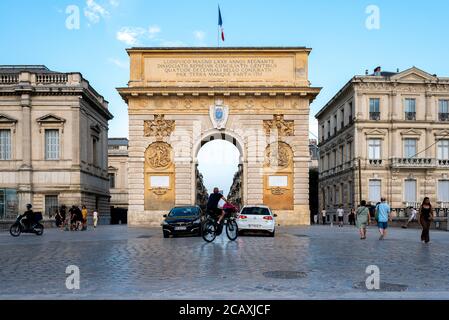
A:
[(182, 221)]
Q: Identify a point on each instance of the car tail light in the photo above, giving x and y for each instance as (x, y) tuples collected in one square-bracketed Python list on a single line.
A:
[(243, 217), (268, 218)]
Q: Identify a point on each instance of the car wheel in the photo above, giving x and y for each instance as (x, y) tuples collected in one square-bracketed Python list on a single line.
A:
[(166, 235)]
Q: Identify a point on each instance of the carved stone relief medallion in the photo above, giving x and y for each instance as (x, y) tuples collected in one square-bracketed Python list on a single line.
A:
[(159, 155)]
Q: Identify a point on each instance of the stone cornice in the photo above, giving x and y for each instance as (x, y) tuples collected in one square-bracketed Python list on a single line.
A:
[(310, 92)]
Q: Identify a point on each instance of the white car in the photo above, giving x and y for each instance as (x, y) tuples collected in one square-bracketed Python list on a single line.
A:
[(256, 218)]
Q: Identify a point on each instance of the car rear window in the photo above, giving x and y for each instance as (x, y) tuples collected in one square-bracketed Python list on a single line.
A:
[(255, 211), (183, 212)]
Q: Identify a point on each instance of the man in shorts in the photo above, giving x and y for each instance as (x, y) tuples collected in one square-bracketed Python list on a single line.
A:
[(383, 216), (212, 204)]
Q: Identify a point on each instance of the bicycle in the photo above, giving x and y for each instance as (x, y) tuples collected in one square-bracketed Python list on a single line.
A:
[(211, 229)]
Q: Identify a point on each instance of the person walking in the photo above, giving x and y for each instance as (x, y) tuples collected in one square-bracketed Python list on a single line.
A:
[(323, 216), (341, 215), (425, 219), (84, 216), (362, 218), (352, 216), (412, 217), (383, 211), (95, 218)]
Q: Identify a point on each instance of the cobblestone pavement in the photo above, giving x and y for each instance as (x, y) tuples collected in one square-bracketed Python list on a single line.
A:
[(316, 262)]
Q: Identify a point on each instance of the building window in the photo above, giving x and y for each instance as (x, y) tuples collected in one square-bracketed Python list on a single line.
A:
[(112, 180), (328, 128), (342, 118), (350, 112), (410, 109), (409, 148), (52, 144), (374, 190), (335, 124), (95, 151), (342, 155), (410, 191), (322, 132), (5, 144), (51, 205), (443, 114), (443, 150), (349, 152), (374, 151), (337, 195), (374, 109), (443, 190)]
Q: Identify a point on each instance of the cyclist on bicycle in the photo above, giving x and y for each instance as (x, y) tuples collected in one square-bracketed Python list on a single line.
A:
[(213, 204)]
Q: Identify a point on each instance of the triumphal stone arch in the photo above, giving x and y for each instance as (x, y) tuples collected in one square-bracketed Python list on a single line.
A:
[(181, 98)]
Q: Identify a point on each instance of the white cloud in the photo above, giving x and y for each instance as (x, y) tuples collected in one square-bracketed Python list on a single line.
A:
[(94, 12), (119, 63), (130, 35), (114, 3), (153, 31), (199, 35)]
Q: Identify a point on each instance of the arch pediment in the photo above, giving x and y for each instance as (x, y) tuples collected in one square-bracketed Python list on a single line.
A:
[(376, 132), (6, 119), (411, 132), (50, 118), (413, 75)]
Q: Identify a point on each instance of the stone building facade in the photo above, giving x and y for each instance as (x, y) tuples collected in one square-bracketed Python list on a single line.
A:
[(235, 195), (118, 172), (53, 141), (395, 127), (181, 98)]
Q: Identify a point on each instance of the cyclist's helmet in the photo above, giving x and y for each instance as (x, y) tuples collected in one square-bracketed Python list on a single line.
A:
[(29, 206)]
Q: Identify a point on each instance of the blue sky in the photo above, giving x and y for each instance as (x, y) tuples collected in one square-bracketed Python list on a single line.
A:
[(411, 33)]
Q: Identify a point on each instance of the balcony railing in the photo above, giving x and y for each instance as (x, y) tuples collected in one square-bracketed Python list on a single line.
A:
[(374, 115), (443, 163), (52, 78), (413, 162), (443, 116), (410, 116), (9, 78), (375, 162)]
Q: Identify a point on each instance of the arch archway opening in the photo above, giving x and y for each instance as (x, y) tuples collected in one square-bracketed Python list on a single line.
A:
[(219, 163)]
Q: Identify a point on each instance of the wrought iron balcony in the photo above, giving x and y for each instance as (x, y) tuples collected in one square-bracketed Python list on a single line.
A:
[(375, 162), (410, 116), (374, 115), (443, 163), (443, 116)]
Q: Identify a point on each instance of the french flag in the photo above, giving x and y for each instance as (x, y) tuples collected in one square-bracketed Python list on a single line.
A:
[(220, 24)]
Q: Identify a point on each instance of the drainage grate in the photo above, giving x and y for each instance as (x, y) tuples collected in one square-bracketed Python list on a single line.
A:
[(143, 237), (301, 236), (384, 287), (285, 274)]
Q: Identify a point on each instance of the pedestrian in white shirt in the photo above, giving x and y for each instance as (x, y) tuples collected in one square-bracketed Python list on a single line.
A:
[(340, 214), (413, 215)]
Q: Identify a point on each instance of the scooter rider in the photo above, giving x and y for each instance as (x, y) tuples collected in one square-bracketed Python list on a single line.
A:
[(29, 220)]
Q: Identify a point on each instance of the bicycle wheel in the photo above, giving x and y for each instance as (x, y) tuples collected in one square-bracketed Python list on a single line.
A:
[(232, 230), (209, 231)]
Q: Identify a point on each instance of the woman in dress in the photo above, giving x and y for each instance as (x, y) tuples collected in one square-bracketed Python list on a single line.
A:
[(425, 218), (362, 217)]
